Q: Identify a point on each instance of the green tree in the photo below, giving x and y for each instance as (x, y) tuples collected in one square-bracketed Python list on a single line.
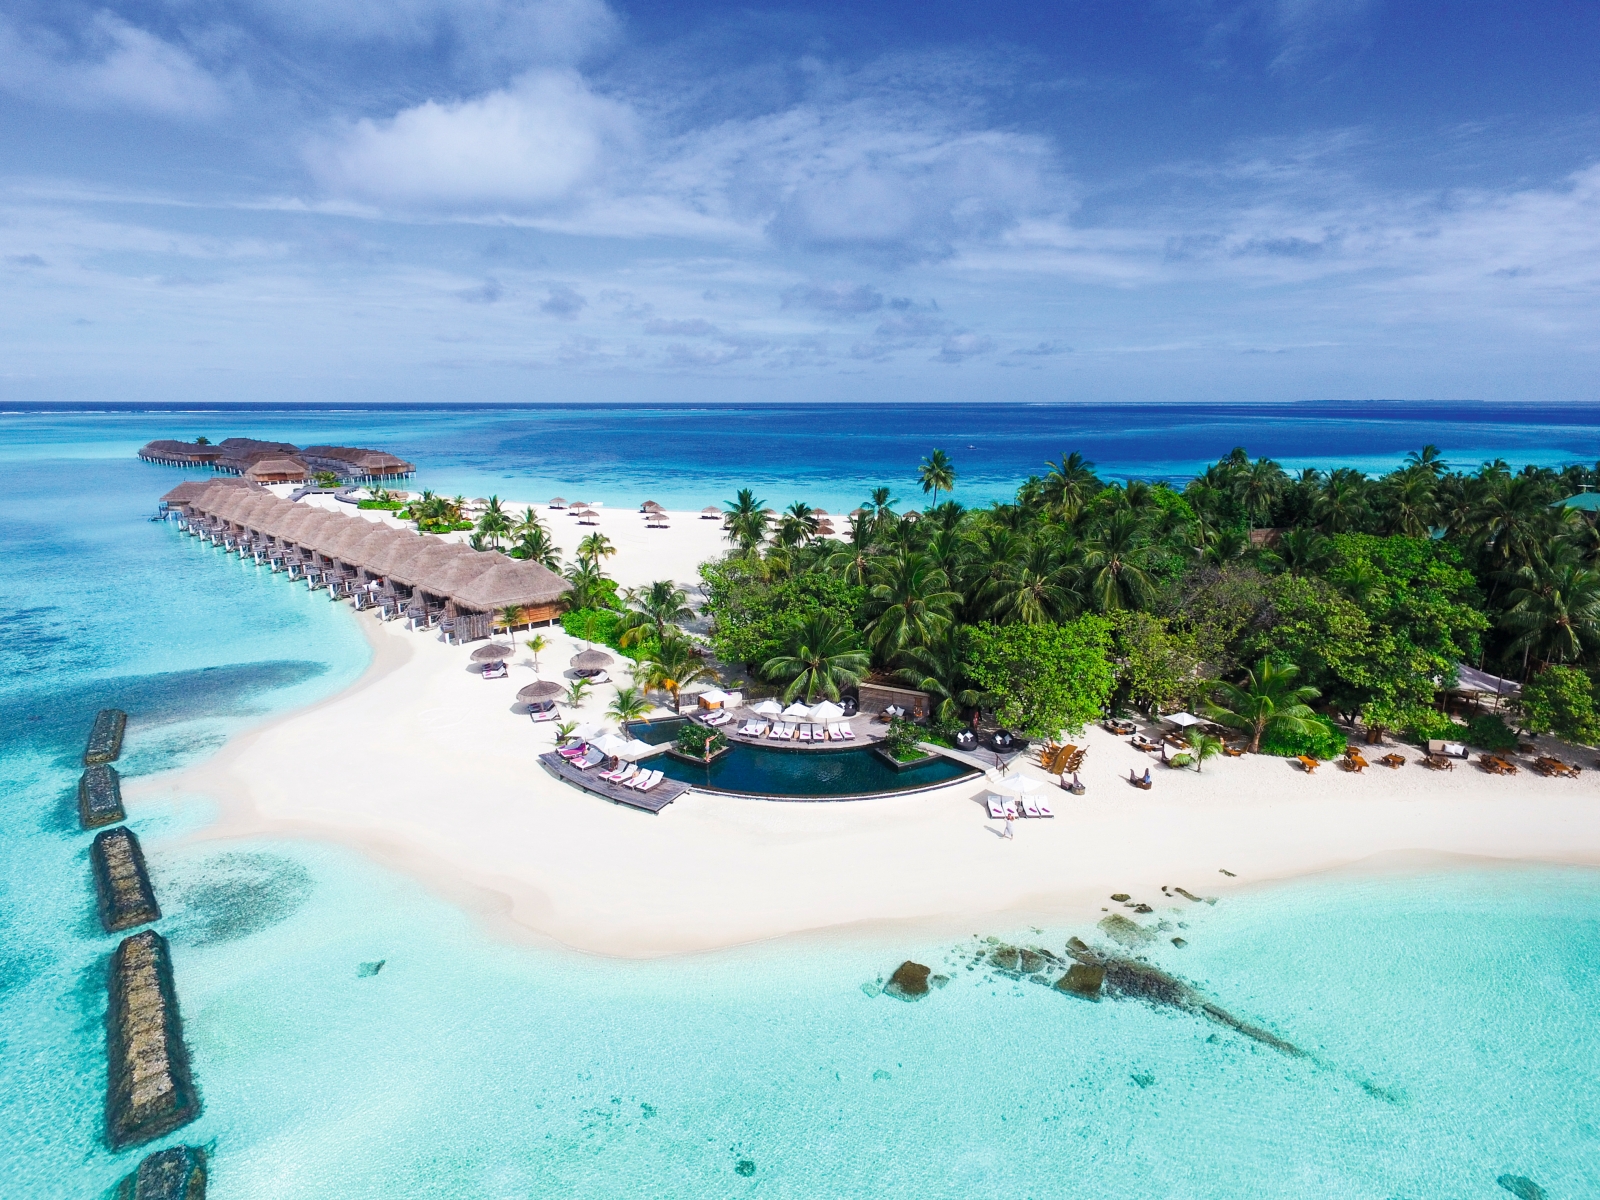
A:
[(745, 520), (937, 474), (1116, 561), (1070, 484), (627, 705), (652, 609), (673, 667), (1201, 747), (1161, 666), (537, 645), (595, 548), (1555, 614), (1560, 700), (913, 602), (1043, 679), (939, 668), (535, 544), (1269, 698), (494, 524), (823, 654), (578, 692)]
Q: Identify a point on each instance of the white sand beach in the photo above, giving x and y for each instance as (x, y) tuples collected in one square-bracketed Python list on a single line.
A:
[(431, 769)]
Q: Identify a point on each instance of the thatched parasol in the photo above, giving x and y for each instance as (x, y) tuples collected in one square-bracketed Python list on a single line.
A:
[(544, 689), (494, 652), (649, 506), (710, 513), (558, 502), (591, 660)]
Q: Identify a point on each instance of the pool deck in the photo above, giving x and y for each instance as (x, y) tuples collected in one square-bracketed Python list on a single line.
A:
[(868, 732), (653, 801)]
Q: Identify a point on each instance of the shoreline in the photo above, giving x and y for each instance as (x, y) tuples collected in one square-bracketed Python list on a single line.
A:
[(427, 769)]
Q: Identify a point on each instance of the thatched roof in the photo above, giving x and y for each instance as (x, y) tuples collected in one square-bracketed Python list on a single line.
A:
[(191, 489), (591, 660), (493, 652), (422, 566), (512, 583), (459, 571), (544, 689), (405, 546)]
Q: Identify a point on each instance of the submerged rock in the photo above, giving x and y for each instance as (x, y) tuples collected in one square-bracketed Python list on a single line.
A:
[(1120, 897), (149, 1089), (368, 969), (99, 797), (1125, 932), (1083, 980), (105, 739), (121, 883), (909, 981), (1179, 943), (1143, 908), (178, 1173), (1521, 1187)]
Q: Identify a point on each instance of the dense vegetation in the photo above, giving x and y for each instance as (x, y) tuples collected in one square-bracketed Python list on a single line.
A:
[(1272, 601)]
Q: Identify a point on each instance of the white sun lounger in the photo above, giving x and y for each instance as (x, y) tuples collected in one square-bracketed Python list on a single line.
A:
[(622, 774), (1030, 806), (997, 807), (654, 778), (1045, 810), (778, 730), (639, 780)]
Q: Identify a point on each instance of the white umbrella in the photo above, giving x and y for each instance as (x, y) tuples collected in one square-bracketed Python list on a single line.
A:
[(797, 710), (609, 743), (1183, 720), (827, 711), (769, 708), (633, 749), (1017, 785), (588, 732), (714, 696)]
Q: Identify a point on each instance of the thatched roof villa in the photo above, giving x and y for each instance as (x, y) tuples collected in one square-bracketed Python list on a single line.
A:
[(280, 462), (444, 580)]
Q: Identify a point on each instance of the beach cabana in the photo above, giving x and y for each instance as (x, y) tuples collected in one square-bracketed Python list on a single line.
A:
[(591, 662), (558, 502), (715, 698), (541, 694)]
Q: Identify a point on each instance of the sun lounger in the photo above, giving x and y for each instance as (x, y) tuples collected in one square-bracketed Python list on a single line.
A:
[(848, 732), (647, 780), (1044, 809), (776, 733), (1030, 806), (539, 715), (803, 733), (997, 807), (622, 774)]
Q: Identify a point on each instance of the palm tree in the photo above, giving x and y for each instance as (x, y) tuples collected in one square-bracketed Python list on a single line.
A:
[(674, 666), (494, 523), (1428, 459), (1203, 746), (627, 705), (797, 525), (821, 655), (578, 691), (1260, 484), (588, 583), (1115, 564), (1342, 506), (1071, 483), (1268, 698), (881, 505), (565, 729), (1555, 614), (938, 668), (510, 616), (595, 547), (537, 644), (655, 607), (1304, 551), (1408, 501), (937, 474), (745, 520), (1038, 586), (536, 545), (853, 560), (913, 599)]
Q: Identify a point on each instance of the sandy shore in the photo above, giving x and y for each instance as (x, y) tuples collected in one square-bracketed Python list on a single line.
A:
[(431, 769)]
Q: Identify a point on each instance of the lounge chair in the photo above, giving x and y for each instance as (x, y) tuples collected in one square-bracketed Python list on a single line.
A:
[(847, 731), (997, 806), (646, 780), (802, 732), (1044, 809), (624, 773), (539, 715), (1310, 764), (1030, 806), (776, 732)]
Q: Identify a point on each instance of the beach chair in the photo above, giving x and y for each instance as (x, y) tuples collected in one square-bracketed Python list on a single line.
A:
[(626, 772), (1030, 806), (1310, 764), (997, 806), (776, 732), (1044, 809), (647, 780), (848, 731)]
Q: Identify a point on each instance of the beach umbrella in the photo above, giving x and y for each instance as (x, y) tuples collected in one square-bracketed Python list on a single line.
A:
[(797, 710), (769, 708), (591, 660), (558, 502), (1017, 785), (588, 732), (710, 513), (649, 506), (633, 749), (1183, 720), (827, 711), (714, 696), (493, 653), (536, 693), (609, 743)]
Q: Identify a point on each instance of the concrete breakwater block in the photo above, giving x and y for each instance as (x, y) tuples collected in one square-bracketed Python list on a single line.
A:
[(105, 739), (120, 880), (175, 1174), (150, 1091), (99, 797)]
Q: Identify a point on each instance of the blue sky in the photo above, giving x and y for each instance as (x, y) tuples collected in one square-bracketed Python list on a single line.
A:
[(433, 200)]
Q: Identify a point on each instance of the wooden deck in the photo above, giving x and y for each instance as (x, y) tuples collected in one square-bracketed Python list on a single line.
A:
[(657, 798)]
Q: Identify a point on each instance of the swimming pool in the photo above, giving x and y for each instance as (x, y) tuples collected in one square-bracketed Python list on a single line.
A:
[(774, 773)]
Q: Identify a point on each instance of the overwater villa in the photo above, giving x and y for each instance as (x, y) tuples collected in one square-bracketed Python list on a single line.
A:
[(280, 462), (428, 581)]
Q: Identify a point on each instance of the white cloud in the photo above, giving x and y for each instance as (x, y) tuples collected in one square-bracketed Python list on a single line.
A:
[(121, 67), (529, 146)]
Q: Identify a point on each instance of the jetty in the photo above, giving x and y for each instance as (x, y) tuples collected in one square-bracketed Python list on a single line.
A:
[(279, 462), (150, 1092), (105, 739), (177, 1173), (99, 797), (653, 801), (121, 881)]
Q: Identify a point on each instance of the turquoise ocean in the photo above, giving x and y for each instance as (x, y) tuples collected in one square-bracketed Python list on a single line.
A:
[(1451, 1020)]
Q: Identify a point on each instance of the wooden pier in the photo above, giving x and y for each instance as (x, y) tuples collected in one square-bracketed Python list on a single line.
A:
[(657, 798)]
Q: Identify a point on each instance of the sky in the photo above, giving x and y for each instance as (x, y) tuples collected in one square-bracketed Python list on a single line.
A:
[(560, 200)]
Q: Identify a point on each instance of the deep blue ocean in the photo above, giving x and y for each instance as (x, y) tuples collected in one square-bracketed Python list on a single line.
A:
[(1453, 1020)]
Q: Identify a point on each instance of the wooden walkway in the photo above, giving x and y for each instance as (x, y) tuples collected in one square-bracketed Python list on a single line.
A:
[(657, 798)]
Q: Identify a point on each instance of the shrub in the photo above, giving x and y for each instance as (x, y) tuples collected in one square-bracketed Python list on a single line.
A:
[(1560, 700), (1422, 725), (699, 741), (1320, 739), (902, 738), (1489, 732), (602, 625)]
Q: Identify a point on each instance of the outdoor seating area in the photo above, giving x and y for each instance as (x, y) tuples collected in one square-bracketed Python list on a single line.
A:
[(1547, 766), (639, 787)]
